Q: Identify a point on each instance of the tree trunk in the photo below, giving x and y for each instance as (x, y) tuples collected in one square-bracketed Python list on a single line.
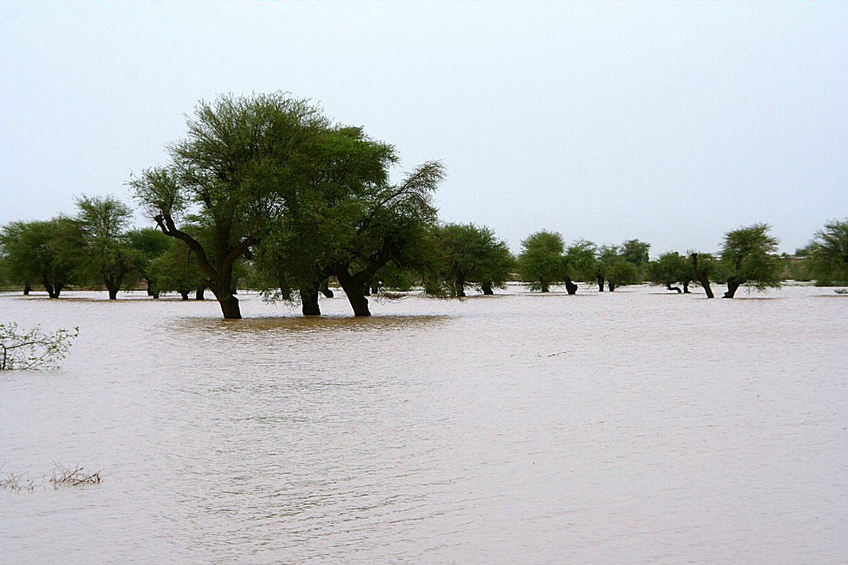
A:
[(199, 293), (701, 277), (150, 291), (486, 287), (669, 287), (325, 289), (53, 291), (459, 286), (309, 301), (354, 287), (686, 287), (184, 294), (27, 289), (600, 283), (611, 286), (570, 287), (732, 286), (544, 286), (229, 305)]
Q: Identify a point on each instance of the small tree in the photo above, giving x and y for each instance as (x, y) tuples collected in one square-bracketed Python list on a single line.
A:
[(472, 254), (671, 268), (107, 255), (581, 264), (541, 261), (748, 256), (43, 252), (828, 254), (33, 349)]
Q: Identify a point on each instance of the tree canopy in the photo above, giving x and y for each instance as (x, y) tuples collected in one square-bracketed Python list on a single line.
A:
[(828, 254), (748, 256)]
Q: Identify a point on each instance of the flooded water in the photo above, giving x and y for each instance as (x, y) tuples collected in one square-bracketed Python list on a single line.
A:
[(638, 426)]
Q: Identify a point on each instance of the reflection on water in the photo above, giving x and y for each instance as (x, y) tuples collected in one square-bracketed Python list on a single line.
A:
[(637, 426)]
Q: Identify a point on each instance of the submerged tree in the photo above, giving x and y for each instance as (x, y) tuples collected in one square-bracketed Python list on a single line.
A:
[(581, 264), (107, 254), (43, 252), (670, 269), (33, 348), (472, 254), (748, 256), (240, 155), (541, 260), (704, 267), (827, 255)]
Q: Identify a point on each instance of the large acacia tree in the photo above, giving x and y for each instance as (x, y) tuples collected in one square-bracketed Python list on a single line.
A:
[(239, 157)]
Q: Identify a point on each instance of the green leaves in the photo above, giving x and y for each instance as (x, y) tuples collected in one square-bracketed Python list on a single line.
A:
[(33, 349)]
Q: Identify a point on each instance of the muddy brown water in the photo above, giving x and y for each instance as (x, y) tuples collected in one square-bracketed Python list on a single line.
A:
[(638, 426)]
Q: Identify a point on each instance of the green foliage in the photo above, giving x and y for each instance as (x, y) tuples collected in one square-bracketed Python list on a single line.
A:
[(671, 268), (107, 255), (44, 253), (581, 263), (176, 270), (471, 254), (748, 256), (33, 349), (635, 252), (541, 260), (828, 254)]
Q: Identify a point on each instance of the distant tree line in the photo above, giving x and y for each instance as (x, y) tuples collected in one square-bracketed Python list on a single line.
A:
[(266, 193)]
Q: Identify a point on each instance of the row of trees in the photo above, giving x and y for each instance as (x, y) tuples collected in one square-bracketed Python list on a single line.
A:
[(266, 190)]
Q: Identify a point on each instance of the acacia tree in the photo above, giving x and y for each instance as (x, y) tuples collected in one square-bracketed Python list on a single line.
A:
[(704, 267), (107, 254), (827, 255), (239, 156), (149, 244), (176, 270), (671, 268), (748, 256), (43, 252), (341, 169), (581, 264), (541, 261), (385, 223), (635, 252), (472, 254)]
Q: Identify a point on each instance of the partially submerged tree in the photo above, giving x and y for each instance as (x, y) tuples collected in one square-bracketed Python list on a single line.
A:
[(704, 267), (748, 256), (581, 264), (33, 348), (148, 244), (541, 260), (43, 252), (670, 269), (176, 270), (827, 256), (107, 255), (239, 157), (472, 254)]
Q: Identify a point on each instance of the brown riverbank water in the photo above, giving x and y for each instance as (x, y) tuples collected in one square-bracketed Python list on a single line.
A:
[(638, 426)]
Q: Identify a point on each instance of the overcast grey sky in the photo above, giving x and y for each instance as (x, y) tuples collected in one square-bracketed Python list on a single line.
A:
[(672, 122)]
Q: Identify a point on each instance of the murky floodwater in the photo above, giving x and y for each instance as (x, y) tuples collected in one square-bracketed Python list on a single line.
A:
[(631, 427)]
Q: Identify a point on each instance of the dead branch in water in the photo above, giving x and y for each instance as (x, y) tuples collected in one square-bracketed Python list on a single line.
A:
[(76, 477)]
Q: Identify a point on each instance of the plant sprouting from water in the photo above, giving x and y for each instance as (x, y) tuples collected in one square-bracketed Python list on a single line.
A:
[(33, 348)]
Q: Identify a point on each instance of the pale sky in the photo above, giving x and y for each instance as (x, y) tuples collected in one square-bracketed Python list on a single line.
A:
[(671, 122)]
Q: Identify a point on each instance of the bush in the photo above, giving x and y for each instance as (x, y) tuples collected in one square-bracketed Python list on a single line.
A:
[(33, 349)]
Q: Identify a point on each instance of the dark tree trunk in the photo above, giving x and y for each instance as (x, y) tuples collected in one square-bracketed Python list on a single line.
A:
[(27, 289), (184, 294), (354, 287), (669, 287), (229, 305), (53, 291), (486, 287), (325, 289), (732, 286), (459, 286), (611, 286), (113, 292), (309, 301), (570, 287), (600, 283), (701, 277), (199, 293), (150, 291), (686, 287), (544, 286)]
